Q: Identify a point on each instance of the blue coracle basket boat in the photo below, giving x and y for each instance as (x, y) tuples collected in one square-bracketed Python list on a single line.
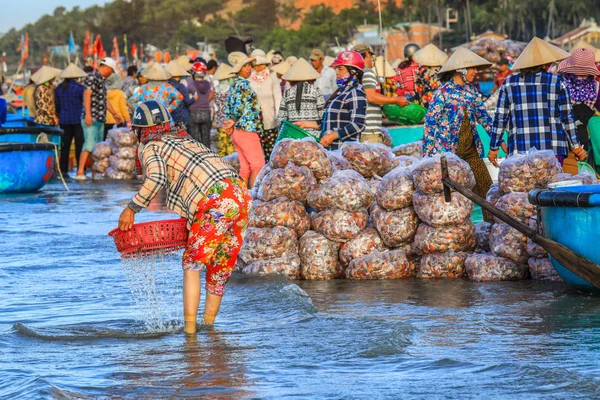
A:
[(571, 217)]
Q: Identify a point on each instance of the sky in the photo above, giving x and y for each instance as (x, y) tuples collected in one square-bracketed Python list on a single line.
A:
[(18, 13)]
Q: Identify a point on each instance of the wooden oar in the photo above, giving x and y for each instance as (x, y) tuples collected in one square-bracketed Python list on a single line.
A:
[(576, 263)]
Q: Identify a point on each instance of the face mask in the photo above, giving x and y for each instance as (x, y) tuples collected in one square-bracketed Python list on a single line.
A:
[(343, 80)]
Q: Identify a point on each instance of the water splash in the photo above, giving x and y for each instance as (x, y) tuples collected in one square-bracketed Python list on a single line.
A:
[(155, 281)]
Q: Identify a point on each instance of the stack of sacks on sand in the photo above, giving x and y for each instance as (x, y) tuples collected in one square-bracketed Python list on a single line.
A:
[(447, 234), (115, 157), (511, 256)]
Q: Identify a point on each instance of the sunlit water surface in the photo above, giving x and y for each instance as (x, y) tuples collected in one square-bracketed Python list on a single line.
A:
[(70, 327)]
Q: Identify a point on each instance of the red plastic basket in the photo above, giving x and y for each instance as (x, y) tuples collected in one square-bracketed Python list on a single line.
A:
[(169, 235)]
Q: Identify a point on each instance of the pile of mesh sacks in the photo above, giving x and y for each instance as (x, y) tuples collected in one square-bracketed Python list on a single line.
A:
[(115, 157), (364, 212), (505, 253)]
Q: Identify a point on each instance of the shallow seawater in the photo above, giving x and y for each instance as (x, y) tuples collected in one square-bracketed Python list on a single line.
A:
[(70, 329)]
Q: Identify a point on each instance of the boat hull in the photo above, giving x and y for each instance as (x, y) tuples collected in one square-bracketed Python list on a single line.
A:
[(577, 228), (25, 167), (30, 134)]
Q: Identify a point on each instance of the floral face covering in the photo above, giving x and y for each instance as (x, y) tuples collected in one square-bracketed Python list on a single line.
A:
[(581, 90), (345, 80)]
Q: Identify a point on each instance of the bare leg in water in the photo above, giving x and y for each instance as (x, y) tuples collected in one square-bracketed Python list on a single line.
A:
[(191, 301)]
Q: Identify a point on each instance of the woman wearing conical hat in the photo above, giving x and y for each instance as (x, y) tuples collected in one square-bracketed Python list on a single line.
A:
[(158, 88), (69, 106), (534, 106), (44, 96), (454, 112), (579, 73), (303, 101), (430, 60)]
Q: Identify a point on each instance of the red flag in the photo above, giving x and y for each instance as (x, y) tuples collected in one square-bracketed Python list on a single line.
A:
[(99, 48), (114, 53), (86, 44), (25, 53), (134, 51)]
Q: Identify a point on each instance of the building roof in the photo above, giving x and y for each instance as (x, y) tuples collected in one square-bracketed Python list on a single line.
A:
[(586, 27)]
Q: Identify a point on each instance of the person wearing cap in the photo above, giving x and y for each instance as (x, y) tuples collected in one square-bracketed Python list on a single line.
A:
[(303, 101), (244, 119), (503, 73), (130, 82), (430, 59), (580, 73), (345, 111), (534, 106), (406, 72), (157, 88), (200, 113), (453, 114), (181, 115), (327, 79), (44, 96), (372, 88), (223, 80), (117, 98), (95, 105), (267, 89), (69, 106), (201, 188)]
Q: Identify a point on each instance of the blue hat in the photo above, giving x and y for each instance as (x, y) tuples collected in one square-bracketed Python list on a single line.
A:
[(150, 113)]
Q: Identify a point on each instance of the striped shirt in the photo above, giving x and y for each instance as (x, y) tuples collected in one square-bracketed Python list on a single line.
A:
[(185, 168), (374, 119), (536, 110), (345, 114)]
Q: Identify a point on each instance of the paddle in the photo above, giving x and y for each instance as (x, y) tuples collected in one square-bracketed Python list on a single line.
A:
[(568, 258)]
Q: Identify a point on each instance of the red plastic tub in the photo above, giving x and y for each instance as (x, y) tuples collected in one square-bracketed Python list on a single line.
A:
[(168, 235)]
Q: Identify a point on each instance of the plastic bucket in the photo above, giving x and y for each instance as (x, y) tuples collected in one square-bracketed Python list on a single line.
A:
[(493, 170)]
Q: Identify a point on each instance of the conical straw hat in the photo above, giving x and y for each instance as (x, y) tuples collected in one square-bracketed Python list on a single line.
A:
[(464, 58), (383, 68), (45, 74), (585, 45), (184, 62), (301, 71), (284, 66), (175, 69), (328, 60), (223, 72), (156, 72), (539, 52), (430, 56), (73, 72)]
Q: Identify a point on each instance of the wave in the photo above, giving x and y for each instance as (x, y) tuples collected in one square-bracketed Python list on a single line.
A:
[(83, 332)]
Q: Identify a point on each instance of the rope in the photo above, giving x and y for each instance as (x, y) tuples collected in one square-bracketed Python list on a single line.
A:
[(43, 138)]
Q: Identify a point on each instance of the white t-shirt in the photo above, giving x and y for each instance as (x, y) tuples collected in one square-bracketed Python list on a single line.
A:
[(327, 81)]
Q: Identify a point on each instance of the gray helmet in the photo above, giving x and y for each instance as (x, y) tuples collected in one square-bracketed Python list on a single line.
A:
[(410, 49)]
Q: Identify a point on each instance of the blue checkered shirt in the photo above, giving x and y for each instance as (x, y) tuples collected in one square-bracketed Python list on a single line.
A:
[(69, 102), (345, 114), (536, 110)]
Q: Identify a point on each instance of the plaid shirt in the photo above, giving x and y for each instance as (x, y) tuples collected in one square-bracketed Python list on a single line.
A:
[(69, 102), (186, 168), (536, 110), (345, 113)]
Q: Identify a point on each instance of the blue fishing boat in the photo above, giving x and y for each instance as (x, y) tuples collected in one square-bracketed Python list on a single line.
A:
[(25, 167), (31, 134), (571, 217)]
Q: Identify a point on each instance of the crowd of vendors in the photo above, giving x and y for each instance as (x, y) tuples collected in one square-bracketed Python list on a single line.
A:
[(544, 101)]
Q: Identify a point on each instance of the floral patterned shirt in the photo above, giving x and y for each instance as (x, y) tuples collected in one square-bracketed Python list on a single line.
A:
[(45, 105), (445, 115), (97, 84), (164, 93), (426, 84), (242, 106)]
